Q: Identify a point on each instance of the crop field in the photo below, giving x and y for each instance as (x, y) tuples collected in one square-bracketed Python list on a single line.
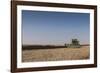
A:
[(56, 54)]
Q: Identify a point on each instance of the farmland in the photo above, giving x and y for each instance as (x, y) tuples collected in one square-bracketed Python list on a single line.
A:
[(55, 54)]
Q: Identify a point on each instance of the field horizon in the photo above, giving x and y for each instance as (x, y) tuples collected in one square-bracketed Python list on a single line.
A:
[(26, 47)]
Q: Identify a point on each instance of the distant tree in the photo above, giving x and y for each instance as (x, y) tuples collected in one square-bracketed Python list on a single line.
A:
[(75, 42), (65, 44)]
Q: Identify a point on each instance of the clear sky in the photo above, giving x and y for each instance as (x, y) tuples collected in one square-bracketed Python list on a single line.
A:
[(54, 28)]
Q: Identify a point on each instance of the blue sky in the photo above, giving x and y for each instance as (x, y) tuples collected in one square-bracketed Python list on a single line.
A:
[(54, 28)]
